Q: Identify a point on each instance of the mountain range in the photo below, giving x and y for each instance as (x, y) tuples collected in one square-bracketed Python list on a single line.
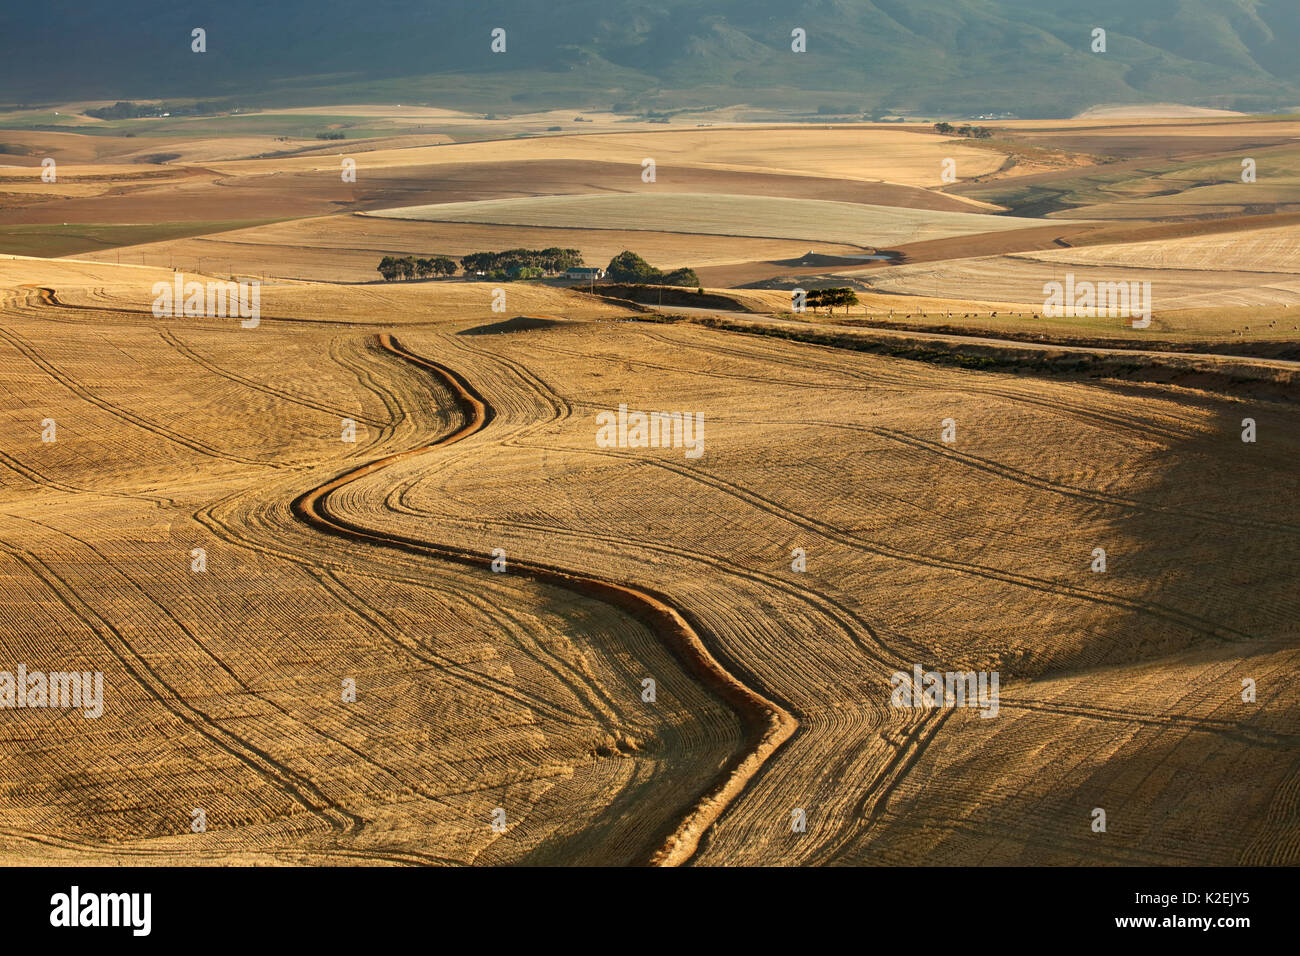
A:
[(1027, 57)]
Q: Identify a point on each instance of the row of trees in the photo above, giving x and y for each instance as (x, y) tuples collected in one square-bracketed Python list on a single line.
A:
[(410, 267), (510, 264), (974, 132), (549, 261), (627, 266), (126, 109), (830, 298)]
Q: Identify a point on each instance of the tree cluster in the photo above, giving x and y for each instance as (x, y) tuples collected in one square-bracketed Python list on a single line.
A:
[(125, 109), (549, 261), (410, 267), (830, 298), (627, 266), (972, 132)]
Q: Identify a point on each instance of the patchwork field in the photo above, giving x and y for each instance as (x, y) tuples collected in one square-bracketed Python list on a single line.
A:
[(371, 579)]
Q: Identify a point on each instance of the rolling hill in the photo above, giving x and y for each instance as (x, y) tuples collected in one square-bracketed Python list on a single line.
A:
[(1029, 57)]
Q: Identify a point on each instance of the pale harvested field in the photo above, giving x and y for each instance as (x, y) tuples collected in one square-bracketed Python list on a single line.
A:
[(1168, 127), (858, 224), (14, 189), (1152, 111), (1021, 279), (479, 690), (1257, 250), (20, 274), (27, 147), (386, 304), (223, 688)]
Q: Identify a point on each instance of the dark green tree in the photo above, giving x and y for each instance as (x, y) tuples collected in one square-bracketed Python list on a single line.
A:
[(682, 277), (627, 266)]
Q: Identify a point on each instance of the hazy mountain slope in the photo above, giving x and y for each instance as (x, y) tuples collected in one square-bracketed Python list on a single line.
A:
[(1027, 56)]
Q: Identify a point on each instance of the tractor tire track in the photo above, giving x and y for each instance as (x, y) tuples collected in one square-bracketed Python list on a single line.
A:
[(282, 777), (171, 339), (47, 297), (1041, 585), (768, 726), (220, 664), (122, 414)]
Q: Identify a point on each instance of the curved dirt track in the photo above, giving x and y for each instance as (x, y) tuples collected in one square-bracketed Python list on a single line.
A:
[(768, 725)]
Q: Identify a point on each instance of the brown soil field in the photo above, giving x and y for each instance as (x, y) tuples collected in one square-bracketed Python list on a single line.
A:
[(196, 193)]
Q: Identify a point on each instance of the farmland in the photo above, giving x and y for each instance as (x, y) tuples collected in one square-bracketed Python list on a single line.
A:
[(709, 214), (366, 586)]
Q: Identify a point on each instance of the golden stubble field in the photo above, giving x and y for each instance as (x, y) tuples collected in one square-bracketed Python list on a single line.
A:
[(367, 586), (1239, 273), (524, 690)]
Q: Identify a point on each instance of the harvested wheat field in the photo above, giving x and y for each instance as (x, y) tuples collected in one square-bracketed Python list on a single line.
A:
[(522, 689), (410, 518), (753, 216), (1180, 278)]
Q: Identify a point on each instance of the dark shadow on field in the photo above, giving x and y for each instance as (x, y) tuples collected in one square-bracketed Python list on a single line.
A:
[(520, 323), (1187, 772)]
